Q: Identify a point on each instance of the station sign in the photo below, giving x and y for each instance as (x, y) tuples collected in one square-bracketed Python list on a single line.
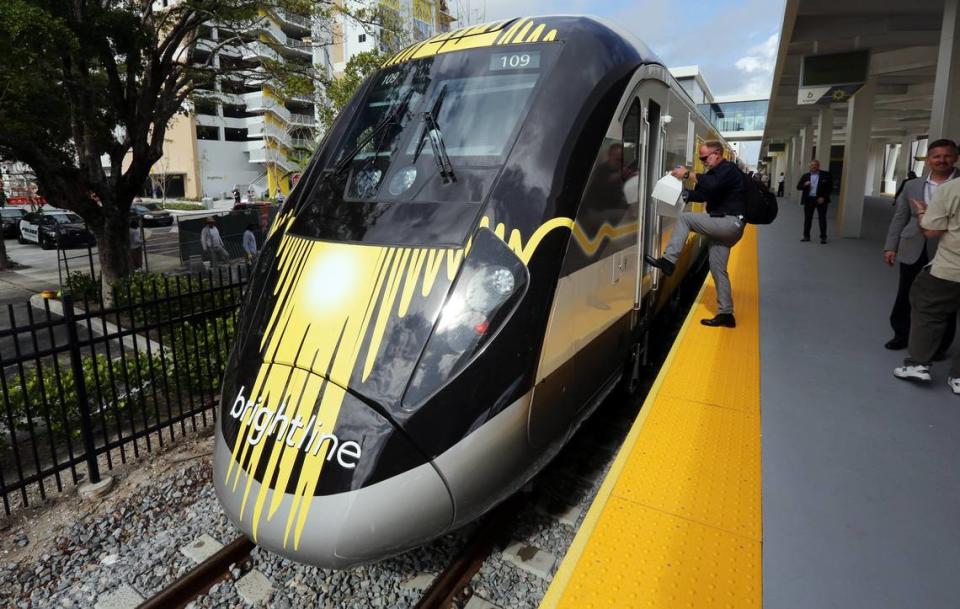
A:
[(832, 78)]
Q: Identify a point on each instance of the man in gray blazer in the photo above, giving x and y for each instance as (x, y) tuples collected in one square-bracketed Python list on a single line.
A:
[(906, 243)]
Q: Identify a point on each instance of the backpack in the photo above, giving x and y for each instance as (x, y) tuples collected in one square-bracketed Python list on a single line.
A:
[(759, 204)]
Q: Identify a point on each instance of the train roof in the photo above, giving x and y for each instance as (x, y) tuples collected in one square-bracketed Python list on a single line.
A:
[(546, 28)]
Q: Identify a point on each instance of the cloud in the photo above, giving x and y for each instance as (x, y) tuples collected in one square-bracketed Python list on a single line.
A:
[(757, 68)]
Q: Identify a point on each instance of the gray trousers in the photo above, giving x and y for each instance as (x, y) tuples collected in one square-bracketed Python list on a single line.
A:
[(217, 254), (723, 233), (933, 302)]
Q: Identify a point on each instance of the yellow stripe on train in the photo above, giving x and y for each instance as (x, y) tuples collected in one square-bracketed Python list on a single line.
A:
[(496, 33)]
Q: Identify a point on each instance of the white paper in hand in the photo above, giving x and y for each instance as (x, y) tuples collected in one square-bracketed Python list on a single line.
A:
[(667, 192)]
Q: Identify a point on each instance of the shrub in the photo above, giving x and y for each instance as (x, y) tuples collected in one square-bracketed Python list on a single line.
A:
[(50, 391), (157, 298), (83, 286), (184, 206)]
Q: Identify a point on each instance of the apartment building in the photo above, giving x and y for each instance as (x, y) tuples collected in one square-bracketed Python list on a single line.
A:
[(247, 135), (407, 21)]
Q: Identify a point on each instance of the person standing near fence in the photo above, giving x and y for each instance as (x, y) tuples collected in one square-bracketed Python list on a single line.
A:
[(212, 244), (136, 245), (250, 243)]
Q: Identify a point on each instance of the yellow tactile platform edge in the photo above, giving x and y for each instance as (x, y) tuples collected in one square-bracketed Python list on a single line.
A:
[(677, 521)]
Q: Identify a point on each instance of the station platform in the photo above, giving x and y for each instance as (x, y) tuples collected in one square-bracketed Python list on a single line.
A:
[(858, 504)]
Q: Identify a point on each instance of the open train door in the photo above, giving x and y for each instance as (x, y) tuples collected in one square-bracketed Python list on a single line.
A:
[(649, 99)]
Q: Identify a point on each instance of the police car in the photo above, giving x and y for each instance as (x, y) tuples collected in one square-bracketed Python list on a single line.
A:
[(10, 220), (58, 228)]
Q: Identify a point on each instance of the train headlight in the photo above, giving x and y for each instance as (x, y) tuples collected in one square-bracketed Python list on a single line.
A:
[(402, 180), (485, 289), (366, 181), (491, 282)]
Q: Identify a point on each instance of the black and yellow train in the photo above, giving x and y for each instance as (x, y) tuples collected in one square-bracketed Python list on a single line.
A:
[(453, 286)]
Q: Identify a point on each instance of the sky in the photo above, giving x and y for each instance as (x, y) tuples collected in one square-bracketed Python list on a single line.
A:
[(733, 41)]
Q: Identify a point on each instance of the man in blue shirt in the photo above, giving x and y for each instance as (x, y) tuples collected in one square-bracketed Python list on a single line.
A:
[(816, 186)]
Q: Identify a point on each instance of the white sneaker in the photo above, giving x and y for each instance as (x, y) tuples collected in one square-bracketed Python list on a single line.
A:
[(953, 382), (912, 372)]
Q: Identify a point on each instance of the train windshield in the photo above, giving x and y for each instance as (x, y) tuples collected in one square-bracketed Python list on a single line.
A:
[(433, 131), (464, 106)]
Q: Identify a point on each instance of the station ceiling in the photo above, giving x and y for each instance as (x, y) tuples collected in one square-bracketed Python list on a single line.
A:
[(903, 37)]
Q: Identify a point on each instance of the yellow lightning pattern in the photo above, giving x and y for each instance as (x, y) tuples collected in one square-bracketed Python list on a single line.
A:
[(332, 299)]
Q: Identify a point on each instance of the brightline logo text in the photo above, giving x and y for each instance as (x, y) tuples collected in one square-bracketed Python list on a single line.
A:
[(264, 422)]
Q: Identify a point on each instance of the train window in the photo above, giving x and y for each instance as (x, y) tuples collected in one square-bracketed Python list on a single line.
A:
[(478, 107), (631, 160), (677, 135), (478, 114)]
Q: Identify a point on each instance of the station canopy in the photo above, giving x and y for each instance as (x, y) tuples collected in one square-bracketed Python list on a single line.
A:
[(902, 40)]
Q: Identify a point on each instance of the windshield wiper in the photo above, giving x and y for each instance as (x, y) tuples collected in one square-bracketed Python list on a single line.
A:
[(431, 132), (389, 118)]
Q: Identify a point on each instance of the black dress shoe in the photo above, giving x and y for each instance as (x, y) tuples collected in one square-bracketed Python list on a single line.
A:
[(823, 239), (895, 344), (725, 320), (805, 239), (661, 263)]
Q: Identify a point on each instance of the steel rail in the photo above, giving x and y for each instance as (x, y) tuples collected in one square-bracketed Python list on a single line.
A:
[(200, 579), (458, 573)]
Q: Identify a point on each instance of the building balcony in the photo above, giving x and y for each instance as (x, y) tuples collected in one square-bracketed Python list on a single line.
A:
[(293, 19), (267, 155), (303, 143), (258, 101), (299, 47), (266, 131), (257, 50), (307, 120)]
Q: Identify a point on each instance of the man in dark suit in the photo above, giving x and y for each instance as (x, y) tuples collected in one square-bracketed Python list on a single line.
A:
[(816, 186)]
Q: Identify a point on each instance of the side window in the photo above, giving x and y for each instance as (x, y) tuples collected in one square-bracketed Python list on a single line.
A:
[(612, 191), (632, 153), (677, 133)]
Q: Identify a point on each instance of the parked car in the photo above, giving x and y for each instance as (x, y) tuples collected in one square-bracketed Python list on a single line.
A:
[(151, 214), (57, 228), (10, 218)]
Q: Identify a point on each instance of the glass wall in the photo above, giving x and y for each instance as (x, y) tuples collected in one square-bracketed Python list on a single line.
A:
[(737, 116)]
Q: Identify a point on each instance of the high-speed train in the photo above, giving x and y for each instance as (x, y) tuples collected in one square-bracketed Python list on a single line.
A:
[(453, 286)]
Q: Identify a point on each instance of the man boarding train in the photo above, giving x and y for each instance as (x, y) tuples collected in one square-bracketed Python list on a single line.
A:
[(723, 190)]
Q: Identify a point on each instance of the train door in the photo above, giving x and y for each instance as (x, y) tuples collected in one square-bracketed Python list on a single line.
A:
[(651, 98)]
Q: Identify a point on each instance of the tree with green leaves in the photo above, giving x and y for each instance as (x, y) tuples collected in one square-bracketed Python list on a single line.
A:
[(392, 32), (340, 89), (89, 87)]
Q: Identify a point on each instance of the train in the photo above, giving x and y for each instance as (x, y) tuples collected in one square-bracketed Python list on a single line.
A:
[(453, 286)]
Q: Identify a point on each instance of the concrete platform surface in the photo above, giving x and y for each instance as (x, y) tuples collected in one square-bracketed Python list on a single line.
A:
[(861, 471)]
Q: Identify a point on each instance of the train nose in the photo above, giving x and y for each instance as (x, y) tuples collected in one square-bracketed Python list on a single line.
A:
[(341, 487)]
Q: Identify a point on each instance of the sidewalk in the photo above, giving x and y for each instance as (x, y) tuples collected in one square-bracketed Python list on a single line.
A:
[(860, 484)]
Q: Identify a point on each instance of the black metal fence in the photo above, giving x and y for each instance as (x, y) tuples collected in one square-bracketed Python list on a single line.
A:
[(85, 383)]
